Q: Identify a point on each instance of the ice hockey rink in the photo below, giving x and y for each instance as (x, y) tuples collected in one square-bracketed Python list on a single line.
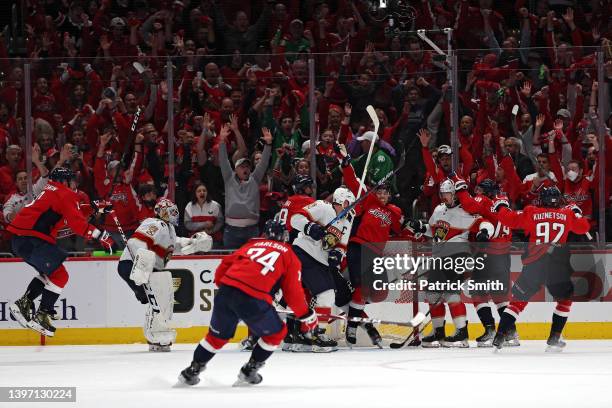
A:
[(130, 376)]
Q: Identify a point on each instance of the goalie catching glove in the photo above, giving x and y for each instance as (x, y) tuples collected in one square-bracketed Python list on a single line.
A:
[(199, 242)]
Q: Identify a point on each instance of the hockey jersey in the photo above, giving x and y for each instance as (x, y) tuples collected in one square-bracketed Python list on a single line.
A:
[(321, 212), (44, 216), (451, 225), (484, 206), (292, 206), (376, 221), (543, 226), (260, 267), (155, 235)]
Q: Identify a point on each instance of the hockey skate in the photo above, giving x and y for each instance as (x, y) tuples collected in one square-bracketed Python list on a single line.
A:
[(486, 340), (512, 338), (322, 343), (191, 375), (157, 347), (555, 343), (374, 335), (248, 343), (499, 340), (435, 338), (22, 311), (248, 373), (351, 335), (41, 322), (457, 340)]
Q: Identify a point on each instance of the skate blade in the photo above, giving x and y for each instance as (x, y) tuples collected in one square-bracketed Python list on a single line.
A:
[(435, 344), (38, 328), (554, 349), (182, 382), (241, 383), (456, 344), (317, 349), (14, 310), (497, 350), (512, 343), (485, 344)]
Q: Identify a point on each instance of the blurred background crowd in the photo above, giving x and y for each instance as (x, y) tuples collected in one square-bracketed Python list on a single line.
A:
[(216, 81)]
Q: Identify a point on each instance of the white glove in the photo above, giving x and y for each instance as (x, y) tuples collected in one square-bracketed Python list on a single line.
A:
[(200, 242)]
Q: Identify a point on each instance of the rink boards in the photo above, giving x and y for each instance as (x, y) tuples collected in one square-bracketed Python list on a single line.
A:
[(97, 307)]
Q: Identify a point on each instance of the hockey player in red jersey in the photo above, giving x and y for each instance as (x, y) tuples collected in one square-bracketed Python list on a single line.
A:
[(247, 280), (375, 219), (35, 230), (496, 239), (302, 196), (544, 262)]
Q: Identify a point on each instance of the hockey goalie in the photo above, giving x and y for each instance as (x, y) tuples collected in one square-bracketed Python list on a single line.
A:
[(142, 266)]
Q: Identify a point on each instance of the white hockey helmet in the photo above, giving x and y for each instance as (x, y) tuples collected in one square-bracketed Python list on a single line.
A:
[(447, 186), (343, 196), (167, 211)]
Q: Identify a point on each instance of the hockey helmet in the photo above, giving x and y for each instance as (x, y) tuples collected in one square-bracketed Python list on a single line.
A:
[(60, 174), (300, 182), (550, 197), (275, 230), (489, 187), (167, 211), (447, 186), (343, 196)]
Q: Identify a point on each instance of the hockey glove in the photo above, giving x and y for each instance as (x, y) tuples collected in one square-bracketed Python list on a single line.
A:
[(460, 185), (102, 236), (482, 235), (499, 204), (576, 210), (309, 322), (102, 206), (334, 258), (314, 231), (416, 226), (343, 155)]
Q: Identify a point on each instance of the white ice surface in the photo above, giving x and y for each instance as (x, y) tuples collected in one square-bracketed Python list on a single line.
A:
[(128, 376)]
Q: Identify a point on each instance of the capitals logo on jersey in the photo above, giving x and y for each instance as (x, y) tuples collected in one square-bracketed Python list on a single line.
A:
[(384, 217)]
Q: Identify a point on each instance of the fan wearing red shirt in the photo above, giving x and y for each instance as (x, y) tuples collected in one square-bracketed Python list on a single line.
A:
[(543, 263), (247, 281)]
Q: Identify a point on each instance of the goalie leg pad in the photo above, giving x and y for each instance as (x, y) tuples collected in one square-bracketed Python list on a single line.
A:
[(144, 262), (159, 311)]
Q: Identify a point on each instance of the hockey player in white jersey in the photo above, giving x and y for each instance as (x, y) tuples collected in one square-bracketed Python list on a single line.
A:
[(321, 251), (449, 227), (142, 266)]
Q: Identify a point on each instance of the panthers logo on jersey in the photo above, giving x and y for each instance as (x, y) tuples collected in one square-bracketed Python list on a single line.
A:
[(440, 231), (331, 238)]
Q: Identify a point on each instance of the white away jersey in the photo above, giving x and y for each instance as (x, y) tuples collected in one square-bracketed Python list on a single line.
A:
[(451, 225), (155, 235), (320, 212)]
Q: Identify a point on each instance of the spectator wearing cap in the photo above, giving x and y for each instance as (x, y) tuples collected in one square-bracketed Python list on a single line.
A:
[(240, 36), (203, 214), (242, 199), (380, 164), (297, 41)]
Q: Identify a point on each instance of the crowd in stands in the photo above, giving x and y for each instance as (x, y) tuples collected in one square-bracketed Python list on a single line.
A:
[(527, 102)]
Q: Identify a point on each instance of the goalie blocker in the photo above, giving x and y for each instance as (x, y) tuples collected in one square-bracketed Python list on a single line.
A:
[(142, 267)]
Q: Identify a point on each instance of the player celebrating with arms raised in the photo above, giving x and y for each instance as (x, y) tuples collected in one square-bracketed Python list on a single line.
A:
[(544, 262), (247, 280)]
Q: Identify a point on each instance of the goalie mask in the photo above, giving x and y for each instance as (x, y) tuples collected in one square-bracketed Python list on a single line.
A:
[(167, 211), (447, 193)]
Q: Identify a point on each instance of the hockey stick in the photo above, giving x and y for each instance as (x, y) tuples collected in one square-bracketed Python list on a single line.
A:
[(420, 331), (382, 181), (414, 322), (125, 150), (374, 118), (145, 286)]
